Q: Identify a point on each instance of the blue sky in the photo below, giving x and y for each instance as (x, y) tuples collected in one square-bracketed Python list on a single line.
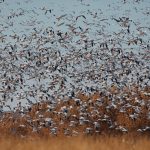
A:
[(60, 7)]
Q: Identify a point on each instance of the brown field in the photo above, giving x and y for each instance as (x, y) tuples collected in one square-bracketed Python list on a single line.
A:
[(80, 143), (16, 132)]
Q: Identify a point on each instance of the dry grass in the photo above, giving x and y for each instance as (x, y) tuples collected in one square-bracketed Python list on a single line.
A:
[(13, 136), (80, 143), (9, 123)]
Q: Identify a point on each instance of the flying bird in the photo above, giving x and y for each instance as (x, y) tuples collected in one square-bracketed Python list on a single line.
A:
[(80, 16)]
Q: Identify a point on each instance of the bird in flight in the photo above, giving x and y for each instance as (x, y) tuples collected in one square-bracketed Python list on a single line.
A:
[(80, 16)]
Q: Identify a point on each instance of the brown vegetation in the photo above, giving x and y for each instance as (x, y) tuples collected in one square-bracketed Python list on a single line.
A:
[(17, 124), (80, 143)]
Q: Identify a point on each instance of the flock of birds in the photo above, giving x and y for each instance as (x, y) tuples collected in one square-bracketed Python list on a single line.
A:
[(75, 55), (100, 113)]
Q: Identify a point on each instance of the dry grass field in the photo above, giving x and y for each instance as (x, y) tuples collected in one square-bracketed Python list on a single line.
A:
[(80, 143), (17, 130)]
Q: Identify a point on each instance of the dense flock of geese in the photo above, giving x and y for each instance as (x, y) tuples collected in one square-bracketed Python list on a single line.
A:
[(77, 55)]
